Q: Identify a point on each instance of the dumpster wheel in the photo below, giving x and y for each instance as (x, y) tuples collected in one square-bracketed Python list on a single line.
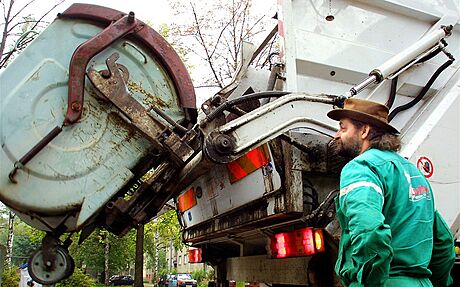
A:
[(48, 272)]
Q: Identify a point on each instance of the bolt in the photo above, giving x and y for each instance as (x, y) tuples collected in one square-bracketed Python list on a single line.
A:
[(130, 17), (48, 263), (217, 100), (76, 106), (105, 74), (223, 144)]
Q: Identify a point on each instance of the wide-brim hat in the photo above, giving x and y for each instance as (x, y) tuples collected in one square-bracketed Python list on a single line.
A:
[(364, 111)]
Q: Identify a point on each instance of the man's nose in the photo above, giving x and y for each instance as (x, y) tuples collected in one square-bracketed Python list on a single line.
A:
[(337, 135)]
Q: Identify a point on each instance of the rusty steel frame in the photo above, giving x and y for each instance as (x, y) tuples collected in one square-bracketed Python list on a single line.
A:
[(83, 55), (142, 34)]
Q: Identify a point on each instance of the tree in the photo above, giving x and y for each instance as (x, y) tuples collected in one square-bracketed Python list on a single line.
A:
[(218, 42), (17, 24), (10, 238), (104, 253), (159, 234), (25, 241)]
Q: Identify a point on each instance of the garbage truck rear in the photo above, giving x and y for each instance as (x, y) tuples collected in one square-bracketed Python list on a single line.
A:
[(104, 131)]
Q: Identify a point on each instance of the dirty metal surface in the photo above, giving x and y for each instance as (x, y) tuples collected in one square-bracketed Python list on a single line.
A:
[(89, 162), (248, 219), (114, 89), (151, 41), (219, 195), (83, 55)]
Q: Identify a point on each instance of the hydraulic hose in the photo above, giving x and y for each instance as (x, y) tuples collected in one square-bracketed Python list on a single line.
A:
[(254, 96), (422, 92), (391, 99)]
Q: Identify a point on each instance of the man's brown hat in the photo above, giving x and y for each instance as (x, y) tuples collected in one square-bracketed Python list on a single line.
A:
[(364, 111)]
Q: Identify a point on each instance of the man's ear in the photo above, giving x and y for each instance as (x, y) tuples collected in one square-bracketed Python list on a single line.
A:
[(365, 131)]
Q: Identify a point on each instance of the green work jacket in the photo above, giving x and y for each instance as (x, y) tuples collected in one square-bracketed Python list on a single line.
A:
[(390, 226)]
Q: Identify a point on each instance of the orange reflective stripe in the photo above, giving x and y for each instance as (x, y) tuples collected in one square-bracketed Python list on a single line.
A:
[(248, 163), (187, 200), (236, 172), (258, 156)]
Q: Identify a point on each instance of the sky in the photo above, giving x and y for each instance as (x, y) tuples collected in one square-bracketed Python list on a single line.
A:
[(155, 11)]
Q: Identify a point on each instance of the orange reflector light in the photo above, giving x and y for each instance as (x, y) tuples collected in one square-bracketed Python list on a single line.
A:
[(302, 242), (248, 163), (319, 240), (187, 200), (194, 256)]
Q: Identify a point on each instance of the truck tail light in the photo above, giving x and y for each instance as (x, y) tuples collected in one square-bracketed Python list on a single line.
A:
[(195, 255), (319, 240), (302, 242)]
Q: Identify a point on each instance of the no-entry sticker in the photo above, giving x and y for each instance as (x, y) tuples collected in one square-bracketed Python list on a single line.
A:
[(425, 166)]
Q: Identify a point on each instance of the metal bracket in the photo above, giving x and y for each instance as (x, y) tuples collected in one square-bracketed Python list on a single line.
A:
[(83, 55), (247, 132), (113, 86)]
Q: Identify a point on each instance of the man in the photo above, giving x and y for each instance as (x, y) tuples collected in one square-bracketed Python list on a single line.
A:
[(392, 234)]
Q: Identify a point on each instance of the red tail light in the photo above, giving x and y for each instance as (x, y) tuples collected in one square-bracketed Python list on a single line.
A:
[(195, 255), (180, 282), (302, 242)]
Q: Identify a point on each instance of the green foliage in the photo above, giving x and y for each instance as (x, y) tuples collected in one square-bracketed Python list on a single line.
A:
[(202, 276), (78, 279), (168, 230), (160, 234), (26, 239), (199, 275), (122, 252), (163, 272), (91, 252), (10, 277), (210, 274)]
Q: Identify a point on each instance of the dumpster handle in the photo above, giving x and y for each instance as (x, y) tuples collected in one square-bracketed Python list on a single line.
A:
[(83, 55), (33, 152)]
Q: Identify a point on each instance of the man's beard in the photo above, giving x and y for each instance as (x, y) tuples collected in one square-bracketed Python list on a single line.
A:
[(351, 149)]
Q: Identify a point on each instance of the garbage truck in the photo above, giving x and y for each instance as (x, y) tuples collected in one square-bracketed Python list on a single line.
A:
[(99, 128)]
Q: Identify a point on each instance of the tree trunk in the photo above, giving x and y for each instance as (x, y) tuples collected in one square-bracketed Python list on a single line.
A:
[(106, 260), (139, 264), (2, 260), (9, 242), (157, 256)]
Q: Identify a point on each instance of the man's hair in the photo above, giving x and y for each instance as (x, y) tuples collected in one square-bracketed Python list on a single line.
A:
[(379, 138)]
